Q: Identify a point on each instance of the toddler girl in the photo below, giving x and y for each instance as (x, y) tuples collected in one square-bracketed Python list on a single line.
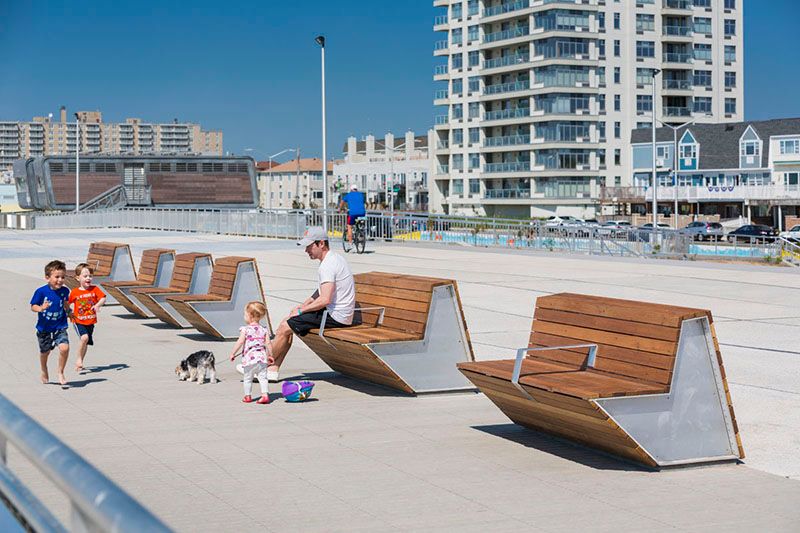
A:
[(256, 351)]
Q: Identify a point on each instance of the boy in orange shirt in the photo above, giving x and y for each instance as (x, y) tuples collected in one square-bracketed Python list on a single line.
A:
[(87, 299)]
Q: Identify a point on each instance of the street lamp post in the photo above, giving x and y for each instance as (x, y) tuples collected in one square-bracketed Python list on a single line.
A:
[(77, 162), (656, 72), (675, 160), (320, 40)]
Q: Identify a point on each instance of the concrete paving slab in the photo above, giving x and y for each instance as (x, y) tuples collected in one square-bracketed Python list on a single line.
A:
[(361, 457)]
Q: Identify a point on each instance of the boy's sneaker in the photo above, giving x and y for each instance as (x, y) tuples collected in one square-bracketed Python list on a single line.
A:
[(273, 376), (264, 399), (247, 399)]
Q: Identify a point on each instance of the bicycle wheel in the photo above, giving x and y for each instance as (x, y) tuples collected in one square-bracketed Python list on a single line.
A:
[(360, 240)]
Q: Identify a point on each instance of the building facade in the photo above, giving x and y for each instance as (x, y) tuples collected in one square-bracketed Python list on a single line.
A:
[(539, 97), (379, 167), (44, 136), (296, 184), (745, 169)]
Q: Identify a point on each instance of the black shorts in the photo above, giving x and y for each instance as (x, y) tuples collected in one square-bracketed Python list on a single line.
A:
[(351, 219), (85, 329), (50, 339), (307, 321)]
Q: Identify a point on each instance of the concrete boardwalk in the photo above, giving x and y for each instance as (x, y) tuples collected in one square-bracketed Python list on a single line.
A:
[(363, 458)]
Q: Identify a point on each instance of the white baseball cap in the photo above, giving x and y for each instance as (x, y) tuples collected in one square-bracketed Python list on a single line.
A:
[(312, 235), (354, 187)]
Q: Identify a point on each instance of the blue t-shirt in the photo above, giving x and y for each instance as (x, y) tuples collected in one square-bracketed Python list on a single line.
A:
[(54, 317), (355, 203)]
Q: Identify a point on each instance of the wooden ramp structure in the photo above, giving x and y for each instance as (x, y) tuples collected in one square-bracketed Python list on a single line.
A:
[(191, 275), (155, 270), (111, 261), (411, 333), (219, 313), (639, 380)]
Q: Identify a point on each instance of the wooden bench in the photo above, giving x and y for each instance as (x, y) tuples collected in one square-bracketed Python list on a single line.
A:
[(639, 380), (111, 261), (410, 334), (218, 313), (155, 270), (191, 275)]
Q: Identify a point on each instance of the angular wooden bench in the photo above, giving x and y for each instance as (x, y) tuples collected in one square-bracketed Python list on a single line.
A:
[(639, 380), (410, 334), (191, 275), (111, 261), (155, 270), (234, 283)]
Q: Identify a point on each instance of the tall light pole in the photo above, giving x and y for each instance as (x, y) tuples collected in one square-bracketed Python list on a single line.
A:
[(320, 40), (656, 72), (77, 162), (675, 160)]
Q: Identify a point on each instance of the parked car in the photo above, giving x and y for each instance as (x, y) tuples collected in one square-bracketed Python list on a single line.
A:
[(557, 221), (649, 225), (614, 228), (748, 232), (705, 231), (793, 234)]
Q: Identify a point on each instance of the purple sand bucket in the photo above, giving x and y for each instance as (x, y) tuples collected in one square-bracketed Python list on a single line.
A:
[(297, 391)]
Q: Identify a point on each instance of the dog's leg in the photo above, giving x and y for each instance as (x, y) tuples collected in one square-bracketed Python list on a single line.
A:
[(192, 373), (212, 374), (201, 374)]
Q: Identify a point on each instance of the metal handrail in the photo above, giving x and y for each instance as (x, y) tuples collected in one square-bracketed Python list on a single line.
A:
[(96, 502)]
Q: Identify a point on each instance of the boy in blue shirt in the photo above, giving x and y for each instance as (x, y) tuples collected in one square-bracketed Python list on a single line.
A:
[(51, 302)]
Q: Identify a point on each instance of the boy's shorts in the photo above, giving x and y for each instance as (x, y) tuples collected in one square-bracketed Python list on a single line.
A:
[(85, 329), (50, 339)]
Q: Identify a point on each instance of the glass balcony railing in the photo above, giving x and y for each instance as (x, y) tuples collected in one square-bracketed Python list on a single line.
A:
[(678, 4), (507, 193), (516, 59), (507, 140), (678, 84), (672, 111), (440, 45), (675, 57), (514, 166), (440, 94), (440, 69), (506, 34), (503, 114), (506, 87), (441, 119), (443, 144), (506, 7), (682, 31), (443, 169), (439, 20)]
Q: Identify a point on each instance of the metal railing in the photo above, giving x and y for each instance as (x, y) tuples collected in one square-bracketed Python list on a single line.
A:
[(507, 87), (513, 59), (513, 166), (507, 140), (502, 114), (96, 503), (506, 7), (519, 31)]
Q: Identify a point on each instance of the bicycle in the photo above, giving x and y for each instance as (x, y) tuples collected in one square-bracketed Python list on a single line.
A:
[(359, 237)]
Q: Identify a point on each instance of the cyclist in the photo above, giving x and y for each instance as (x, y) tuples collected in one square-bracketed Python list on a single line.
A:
[(355, 209)]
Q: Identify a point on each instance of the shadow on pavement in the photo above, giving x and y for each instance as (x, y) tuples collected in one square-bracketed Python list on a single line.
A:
[(340, 380), (201, 337), (561, 448), (82, 383), (159, 325), (114, 366)]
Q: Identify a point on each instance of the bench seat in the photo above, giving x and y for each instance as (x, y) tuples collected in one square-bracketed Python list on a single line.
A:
[(365, 334), (155, 270)]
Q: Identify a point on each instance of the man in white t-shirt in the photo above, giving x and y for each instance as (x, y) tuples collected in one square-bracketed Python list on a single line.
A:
[(336, 292)]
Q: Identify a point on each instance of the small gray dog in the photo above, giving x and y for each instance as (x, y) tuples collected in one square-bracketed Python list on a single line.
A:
[(196, 367)]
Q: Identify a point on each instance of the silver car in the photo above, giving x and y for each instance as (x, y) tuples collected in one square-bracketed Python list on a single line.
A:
[(705, 231)]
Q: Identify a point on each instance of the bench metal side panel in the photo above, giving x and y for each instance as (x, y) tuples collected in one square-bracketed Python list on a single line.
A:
[(166, 262), (429, 365), (201, 280), (225, 318), (690, 424), (122, 269)]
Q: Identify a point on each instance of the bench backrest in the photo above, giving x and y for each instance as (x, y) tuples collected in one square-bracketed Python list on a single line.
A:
[(406, 299), (635, 339), (223, 277), (148, 266), (101, 256), (184, 269)]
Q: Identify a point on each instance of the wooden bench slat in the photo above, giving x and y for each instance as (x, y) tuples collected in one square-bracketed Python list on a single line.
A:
[(400, 294), (651, 331), (369, 335), (385, 301), (631, 342)]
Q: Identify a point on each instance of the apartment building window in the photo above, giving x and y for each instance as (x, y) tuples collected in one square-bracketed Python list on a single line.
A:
[(702, 52), (458, 187), (644, 76), (457, 61), (458, 162), (474, 58), (456, 11), (601, 48), (645, 49), (455, 36), (730, 53), (750, 148), (617, 48), (474, 110), (458, 87), (617, 75), (458, 137), (617, 181), (730, 27), (702, 104), (702, 3), (645, 22), (473, 33), (474, 161), (702, 25), (640, 125), (601, 130), (702, 78), (617, 157), (472, 7), (601, 76), (458, 111), (789, 146), (617, 102), (730, 80), (601, 102), (730, 106), (730, 4), (474, 135), (616, 21), (474, 186), (474, 84), (617, 130), (644, 103), (601, 21)]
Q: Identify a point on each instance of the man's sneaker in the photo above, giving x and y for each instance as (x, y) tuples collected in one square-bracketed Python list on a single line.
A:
[(273, 376)]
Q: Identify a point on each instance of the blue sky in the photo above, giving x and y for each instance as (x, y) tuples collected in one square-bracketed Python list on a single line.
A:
[(252, 68)]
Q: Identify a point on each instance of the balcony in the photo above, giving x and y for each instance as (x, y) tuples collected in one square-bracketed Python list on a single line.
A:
[(443, 169), (507, 194), (440, 45), (506, 7), (726, 193), (677, 31), (516, 59), (443, 144), (506, 34), (507, 140), (672, 111), (505, 114), (678, 4), (507, 87), (441, 120), (439, 20), (441, 94), (440, 70), (514, 166), (676, 57), (678, 85)]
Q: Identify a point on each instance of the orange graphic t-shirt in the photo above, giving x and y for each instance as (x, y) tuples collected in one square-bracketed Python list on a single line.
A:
[(83, 302)]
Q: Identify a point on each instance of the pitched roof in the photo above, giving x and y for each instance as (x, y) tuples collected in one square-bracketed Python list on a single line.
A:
[(311, 164), (420, 141), (719, 143), (261, 166)]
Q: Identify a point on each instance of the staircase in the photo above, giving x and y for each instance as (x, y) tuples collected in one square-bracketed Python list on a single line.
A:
[(790, 252), (113, 198)]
